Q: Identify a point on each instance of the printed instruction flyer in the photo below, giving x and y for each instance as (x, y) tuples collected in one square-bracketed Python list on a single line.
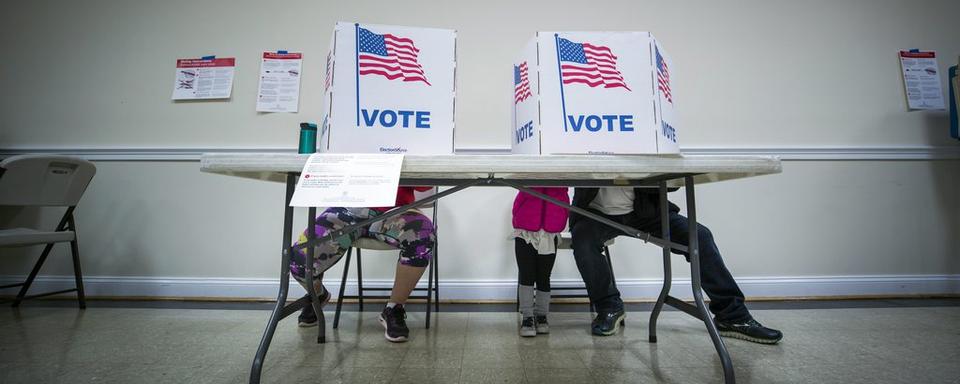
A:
[(279, 89), (207, 78), (921, 77), (348, 180)]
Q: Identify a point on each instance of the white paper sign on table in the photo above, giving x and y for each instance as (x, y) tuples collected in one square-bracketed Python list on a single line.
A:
[(921, 77), (348, 180), (206, 78), (279, 89)]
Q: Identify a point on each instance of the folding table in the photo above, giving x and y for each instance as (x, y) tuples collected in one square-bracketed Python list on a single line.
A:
[(459, 172)]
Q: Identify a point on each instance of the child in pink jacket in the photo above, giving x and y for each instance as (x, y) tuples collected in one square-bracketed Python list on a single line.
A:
[(537, 225)]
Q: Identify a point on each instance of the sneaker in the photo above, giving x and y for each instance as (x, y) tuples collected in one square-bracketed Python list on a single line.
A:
[(749, 330), (543, 327), (308, 318), (607, 323), (394, 321), (527, 329)]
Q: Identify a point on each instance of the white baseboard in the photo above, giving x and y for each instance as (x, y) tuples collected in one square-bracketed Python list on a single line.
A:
[(631, 289)]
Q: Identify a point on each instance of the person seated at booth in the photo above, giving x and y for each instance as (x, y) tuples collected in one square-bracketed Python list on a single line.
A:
[(640, 208), (411, 232)]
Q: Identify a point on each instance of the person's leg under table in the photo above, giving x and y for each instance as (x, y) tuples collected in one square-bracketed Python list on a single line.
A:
[(727, 302), (526, 256), (588, 237), (413, 233), (726, 298), (544, 264), (405, 280), (326, 255)]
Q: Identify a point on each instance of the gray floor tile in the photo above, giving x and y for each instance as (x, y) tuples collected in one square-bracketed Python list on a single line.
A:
[(433, 358), (507, 357), (556, 375), (427, 376), (845, 345), (548, 358), (492, 376)]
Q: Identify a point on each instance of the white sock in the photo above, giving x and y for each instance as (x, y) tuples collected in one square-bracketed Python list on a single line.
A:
[(391, 304)]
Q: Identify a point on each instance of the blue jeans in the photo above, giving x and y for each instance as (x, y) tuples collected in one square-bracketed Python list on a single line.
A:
[(726, 299)]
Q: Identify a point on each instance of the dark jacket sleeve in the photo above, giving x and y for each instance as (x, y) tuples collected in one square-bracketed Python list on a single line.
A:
[(646, 204), (581, 199)]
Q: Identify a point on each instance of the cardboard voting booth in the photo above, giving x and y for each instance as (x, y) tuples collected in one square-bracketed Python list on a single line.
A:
[(389, 89), (594, 93)]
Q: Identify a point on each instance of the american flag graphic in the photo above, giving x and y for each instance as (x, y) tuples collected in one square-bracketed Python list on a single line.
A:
[(663, 77), (389, 56), (593, 65), (521, 83)]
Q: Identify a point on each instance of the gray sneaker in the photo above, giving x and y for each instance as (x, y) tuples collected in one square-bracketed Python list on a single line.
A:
[(543, 327), (527, 329)]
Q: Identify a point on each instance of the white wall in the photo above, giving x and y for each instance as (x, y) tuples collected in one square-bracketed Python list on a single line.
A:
[(872, 209)]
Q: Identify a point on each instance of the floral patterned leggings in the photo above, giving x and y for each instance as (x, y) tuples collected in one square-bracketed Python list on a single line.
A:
[(411, 232)]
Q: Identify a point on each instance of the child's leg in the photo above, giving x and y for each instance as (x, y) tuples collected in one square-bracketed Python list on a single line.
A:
[(413, 233), (527, 266), (325, 254), (544, 265)]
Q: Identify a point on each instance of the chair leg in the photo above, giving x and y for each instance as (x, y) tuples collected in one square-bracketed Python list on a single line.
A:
[(434, 263), (359, 282), (33, 275), (343, 288), (429, 293), (436, 284), (78, 276)]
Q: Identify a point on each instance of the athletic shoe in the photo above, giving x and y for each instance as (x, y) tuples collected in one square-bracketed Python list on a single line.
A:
[(527, 329), (543, 327), (749, 330), (394, 321), (607, 323)]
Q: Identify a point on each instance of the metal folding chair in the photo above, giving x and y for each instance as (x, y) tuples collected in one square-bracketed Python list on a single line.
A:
[(48, 181), (431, 293)]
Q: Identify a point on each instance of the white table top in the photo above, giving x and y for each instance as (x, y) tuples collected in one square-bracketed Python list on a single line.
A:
[(569, 170)]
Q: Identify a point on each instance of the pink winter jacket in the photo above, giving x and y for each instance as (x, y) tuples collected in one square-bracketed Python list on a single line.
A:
[(532, 214)]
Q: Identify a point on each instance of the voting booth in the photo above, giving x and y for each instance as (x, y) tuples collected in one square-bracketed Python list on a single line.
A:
[(594, 93), (389, 89)]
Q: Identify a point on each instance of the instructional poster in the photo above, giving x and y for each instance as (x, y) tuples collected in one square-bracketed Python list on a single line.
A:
[(279, 89), (348, 180), (921, 77), (206, 78)]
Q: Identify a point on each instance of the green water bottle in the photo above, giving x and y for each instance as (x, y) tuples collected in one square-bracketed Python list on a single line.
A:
[(308, 138)]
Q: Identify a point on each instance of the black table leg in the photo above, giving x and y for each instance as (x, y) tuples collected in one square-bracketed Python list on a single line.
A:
[(275, 317), (694, 252), (667, 272), (343, 288)]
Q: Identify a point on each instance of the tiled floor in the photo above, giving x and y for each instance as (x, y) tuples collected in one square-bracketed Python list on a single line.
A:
[(149, 345)]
